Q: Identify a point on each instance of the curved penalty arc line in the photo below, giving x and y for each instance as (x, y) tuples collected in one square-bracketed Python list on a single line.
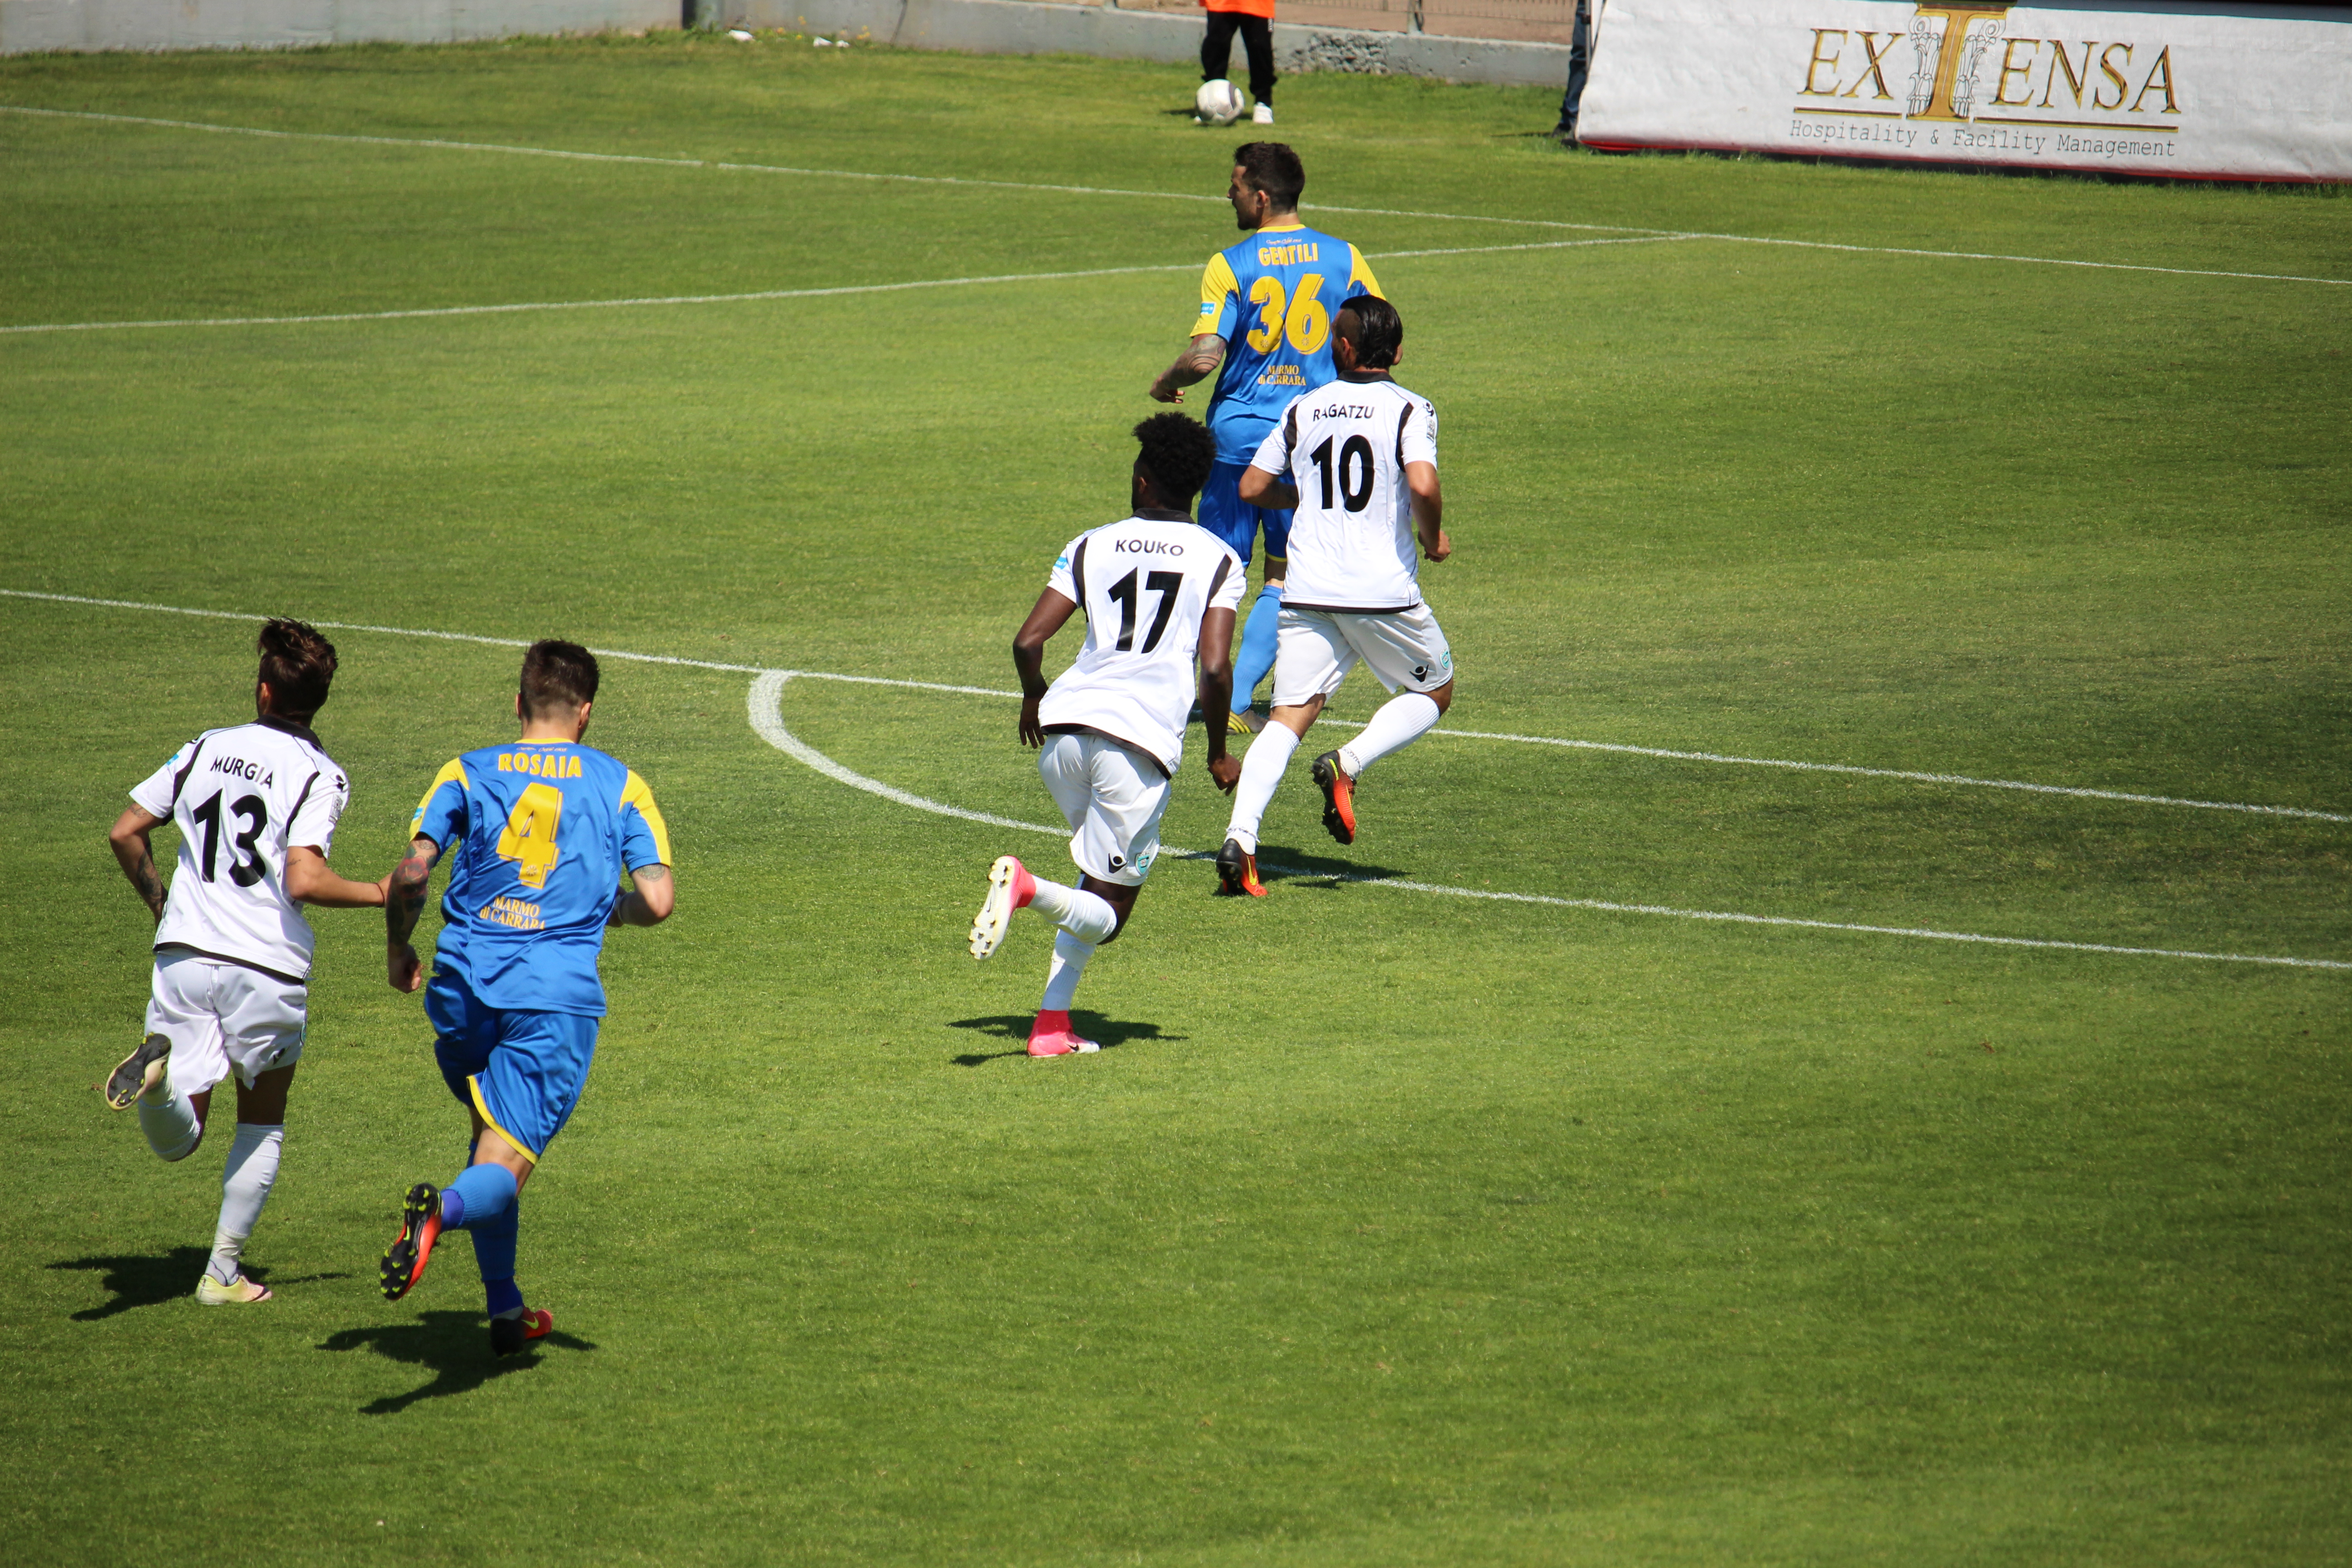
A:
[(764, 705)]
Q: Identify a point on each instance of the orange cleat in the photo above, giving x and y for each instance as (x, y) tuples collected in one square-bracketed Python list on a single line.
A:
[(1237, 872), (420, 1227), (1338, 797), (510, 1335)]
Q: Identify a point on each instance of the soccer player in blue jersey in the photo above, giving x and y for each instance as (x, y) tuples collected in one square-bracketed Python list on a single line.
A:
[(539, 832), (1267, 305)]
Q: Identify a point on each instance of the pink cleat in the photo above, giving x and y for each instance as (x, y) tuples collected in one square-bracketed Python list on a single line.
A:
[(1051, 1035), (1010, 887)]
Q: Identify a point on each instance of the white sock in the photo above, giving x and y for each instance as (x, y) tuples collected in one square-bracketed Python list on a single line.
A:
[(1086, 916), (1262, 768), (1401, 721), (1070, 954), (244, 1187), (169, 1120)]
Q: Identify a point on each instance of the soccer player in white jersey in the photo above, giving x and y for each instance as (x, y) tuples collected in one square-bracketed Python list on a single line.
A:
[(255, 805), (1357, 461), (1159, 592)]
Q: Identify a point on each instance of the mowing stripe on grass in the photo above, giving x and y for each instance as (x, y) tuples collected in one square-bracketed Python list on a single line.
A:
[(1149, 195), (764, 706), (1956, 779), (763, 293)]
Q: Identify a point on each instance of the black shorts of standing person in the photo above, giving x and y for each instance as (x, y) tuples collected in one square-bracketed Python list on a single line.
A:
[(1253, 19)]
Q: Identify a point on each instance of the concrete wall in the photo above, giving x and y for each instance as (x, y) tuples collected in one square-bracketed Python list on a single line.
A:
[(978, 26)]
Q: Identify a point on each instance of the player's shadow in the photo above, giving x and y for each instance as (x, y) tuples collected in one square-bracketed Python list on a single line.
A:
[(455, 1347), (1308, 870), (1109, 1033), (149, 1279)]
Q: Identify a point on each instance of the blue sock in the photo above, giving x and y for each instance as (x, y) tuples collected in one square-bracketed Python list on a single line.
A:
[(481, 1195), (1258, 634), (494, 1255)]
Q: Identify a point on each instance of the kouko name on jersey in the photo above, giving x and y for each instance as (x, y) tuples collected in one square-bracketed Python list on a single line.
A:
[(1144, 584), (1344, 448), (241, 797)]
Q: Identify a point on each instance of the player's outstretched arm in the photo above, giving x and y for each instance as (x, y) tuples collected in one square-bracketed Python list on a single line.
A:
[(309, 882), (1052, 610), (1259, 488), (136, 855), (1217, 693), (404, 901), (1197, 363), (1428, 510)]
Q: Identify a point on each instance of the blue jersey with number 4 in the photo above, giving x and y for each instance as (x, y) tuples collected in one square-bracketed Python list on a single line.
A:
[(537, 833), (1272, 298)]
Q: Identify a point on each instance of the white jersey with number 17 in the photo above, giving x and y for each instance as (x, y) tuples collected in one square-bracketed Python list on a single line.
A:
[(239, 797), (1144, 584), (1345, 446)]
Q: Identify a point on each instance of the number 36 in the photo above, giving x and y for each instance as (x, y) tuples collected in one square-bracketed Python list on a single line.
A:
[(1306, 323)]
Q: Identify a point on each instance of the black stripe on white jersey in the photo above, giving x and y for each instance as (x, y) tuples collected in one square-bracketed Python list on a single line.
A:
[(180, 779)]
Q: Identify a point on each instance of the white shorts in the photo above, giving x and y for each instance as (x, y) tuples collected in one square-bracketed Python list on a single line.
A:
[(224, 1018), (1113, 798), (1315, 649)]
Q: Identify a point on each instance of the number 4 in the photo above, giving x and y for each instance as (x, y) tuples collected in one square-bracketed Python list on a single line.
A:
[(529, 837)]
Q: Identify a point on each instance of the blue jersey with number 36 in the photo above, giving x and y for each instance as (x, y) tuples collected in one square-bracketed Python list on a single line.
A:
[(537, 833), (1272, 298)]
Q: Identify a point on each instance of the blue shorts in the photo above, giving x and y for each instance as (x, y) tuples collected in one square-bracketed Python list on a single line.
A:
[(522, 1071), (1222, 514)]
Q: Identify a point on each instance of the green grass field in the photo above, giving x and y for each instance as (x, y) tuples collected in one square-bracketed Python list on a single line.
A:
[(1397, 1226)]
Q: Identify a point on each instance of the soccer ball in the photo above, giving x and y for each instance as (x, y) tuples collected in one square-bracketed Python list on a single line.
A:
[(1218, 102)]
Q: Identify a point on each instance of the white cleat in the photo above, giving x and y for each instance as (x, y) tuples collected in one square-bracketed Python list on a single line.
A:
[(1010, 887), (239, 1292), (1261, 115)]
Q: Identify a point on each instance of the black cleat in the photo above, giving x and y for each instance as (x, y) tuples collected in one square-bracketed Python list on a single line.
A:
[(1237, 872), (1338, 797), (512, 1336), (138, 1072)]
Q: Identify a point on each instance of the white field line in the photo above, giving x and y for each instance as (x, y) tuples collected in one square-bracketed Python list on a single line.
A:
[(765, 708), (764, 703), (1952, 779), (515, 151), (757, 294)]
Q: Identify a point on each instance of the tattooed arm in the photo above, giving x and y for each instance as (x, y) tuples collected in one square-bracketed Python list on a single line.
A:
[(1201, 356), (651, 903), (403, 900), (138, 855)]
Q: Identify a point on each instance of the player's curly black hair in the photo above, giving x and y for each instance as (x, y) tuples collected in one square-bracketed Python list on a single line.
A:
[(1380, 330), (299, 666), (1178, 453)]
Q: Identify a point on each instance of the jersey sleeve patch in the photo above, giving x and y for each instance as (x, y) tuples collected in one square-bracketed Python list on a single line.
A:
[(160, 791), (1220, 299), (645, 837), (441, 814), (1063, 578)]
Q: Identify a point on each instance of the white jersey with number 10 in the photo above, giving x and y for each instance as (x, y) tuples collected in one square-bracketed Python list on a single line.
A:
[(1345, 446), (1144, 584)]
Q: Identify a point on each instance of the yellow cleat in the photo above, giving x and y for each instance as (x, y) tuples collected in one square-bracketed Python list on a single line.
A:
[(238, 1292)]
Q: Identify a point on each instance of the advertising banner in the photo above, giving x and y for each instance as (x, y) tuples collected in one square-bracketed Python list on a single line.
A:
[(2191, 92)]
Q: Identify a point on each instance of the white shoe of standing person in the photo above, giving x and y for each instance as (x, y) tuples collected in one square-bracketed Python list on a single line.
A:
[(1261, 115)]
